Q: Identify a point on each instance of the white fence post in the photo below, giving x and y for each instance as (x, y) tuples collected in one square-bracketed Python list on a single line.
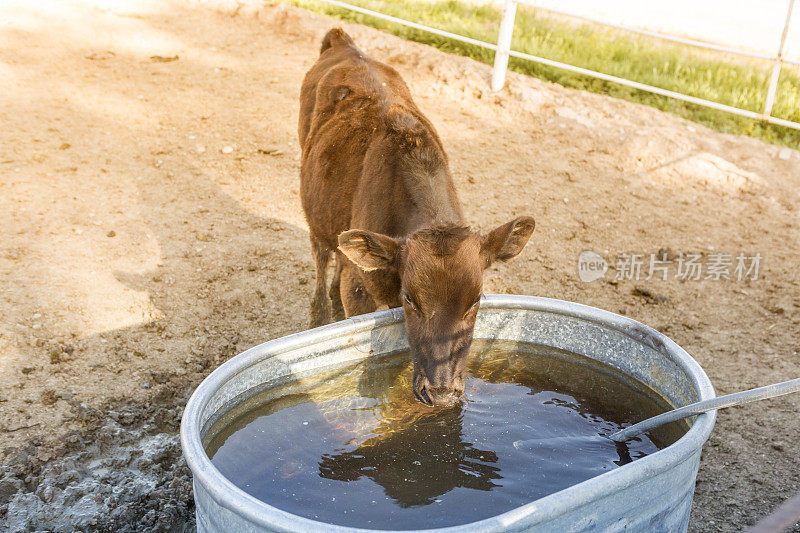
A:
[(504, 45), (776, 70)]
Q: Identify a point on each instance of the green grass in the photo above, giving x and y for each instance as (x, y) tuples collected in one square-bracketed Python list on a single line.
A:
[(717, 76)]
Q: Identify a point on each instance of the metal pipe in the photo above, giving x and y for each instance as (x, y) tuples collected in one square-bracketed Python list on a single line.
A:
[(776, 70), (784, 517), (656, 90), (503, 45), (691, 42), (729, 400), (572, 68), (410, 24)]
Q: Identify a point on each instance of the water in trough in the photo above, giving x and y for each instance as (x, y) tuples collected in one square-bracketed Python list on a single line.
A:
[(354, 448)]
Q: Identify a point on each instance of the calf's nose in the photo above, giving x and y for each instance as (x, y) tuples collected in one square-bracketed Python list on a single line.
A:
[(443, 396)]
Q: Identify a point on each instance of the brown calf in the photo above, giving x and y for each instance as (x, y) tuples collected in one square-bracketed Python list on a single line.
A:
[(372, 161)]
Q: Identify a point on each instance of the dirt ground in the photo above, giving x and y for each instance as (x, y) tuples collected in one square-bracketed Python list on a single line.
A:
[(150, 228)]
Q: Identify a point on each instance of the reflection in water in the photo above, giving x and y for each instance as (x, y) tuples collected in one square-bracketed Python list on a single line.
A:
[(355, 449), (419, 462)]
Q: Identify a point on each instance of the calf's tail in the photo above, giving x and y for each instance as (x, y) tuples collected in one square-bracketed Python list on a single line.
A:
[(334, 38)]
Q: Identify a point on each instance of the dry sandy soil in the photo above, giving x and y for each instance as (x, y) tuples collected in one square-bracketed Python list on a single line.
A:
[(150, 228)]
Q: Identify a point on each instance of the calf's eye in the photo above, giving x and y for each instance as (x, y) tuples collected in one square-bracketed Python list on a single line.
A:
[(410, 302), (474, 307)]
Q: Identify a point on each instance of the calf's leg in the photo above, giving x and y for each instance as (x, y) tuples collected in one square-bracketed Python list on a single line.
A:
[(336, 293), (320, 307)]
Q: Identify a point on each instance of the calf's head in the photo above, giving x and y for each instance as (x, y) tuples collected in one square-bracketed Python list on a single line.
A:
[(439, 271)]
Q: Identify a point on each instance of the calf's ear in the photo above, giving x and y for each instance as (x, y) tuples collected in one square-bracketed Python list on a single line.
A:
[(506, 241), (368, 250)]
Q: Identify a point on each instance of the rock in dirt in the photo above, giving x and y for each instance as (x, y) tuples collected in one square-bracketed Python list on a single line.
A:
[(49, 397), (102, 55), (667, 254), (572, 114), (270, 150), (649, 295), (163, 59)]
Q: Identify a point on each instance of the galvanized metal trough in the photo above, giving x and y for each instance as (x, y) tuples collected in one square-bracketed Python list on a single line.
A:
[(650, 494)]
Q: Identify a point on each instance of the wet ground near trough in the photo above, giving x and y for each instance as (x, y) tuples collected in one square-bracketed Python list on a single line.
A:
[(123, 472)]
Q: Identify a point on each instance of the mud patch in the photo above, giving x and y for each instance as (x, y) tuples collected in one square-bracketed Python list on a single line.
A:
[(123, 472)]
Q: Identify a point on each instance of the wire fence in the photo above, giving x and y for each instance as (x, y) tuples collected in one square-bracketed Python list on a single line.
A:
[(503, 51)]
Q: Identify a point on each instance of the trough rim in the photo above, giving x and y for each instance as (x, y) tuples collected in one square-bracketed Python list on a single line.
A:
[(259, 513)]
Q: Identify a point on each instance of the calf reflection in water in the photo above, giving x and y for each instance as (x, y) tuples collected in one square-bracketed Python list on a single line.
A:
[(424, 459)]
